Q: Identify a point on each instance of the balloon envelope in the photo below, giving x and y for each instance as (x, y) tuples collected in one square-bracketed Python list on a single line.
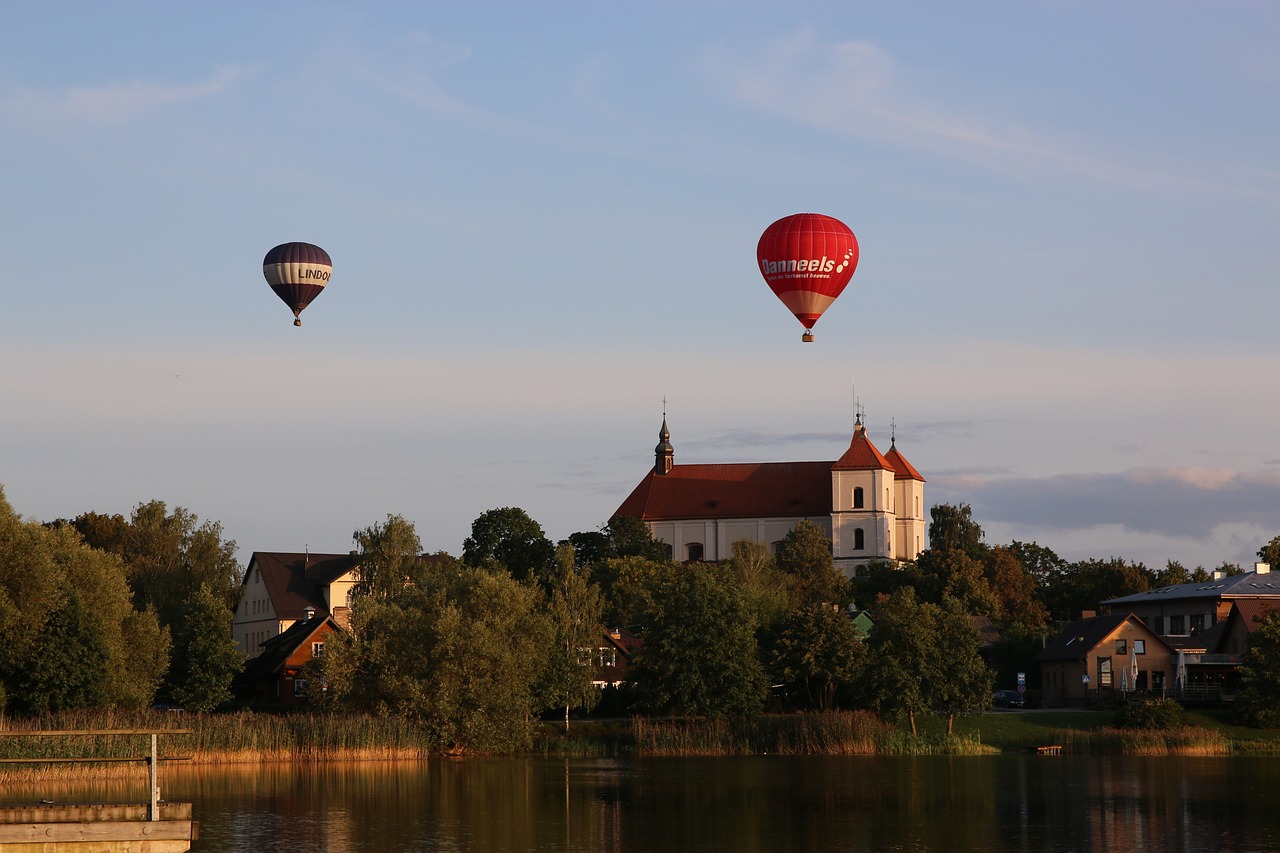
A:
[(297, 272), (807, 259)]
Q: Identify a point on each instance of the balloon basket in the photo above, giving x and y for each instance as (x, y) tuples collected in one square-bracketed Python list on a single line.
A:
[(807, 337), (297, 321)]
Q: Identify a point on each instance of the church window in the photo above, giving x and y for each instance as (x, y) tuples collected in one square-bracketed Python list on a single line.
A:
[(858, 541), (857, 498), (694, 550)]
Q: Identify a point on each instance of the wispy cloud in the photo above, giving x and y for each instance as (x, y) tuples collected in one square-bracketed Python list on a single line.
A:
[(859, 90), (115, 103)]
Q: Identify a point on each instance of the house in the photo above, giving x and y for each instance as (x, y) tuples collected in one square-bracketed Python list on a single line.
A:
[(613, 656), (1099, 656), (279, 588), (278, 673), (1195, 619), (870, 504)]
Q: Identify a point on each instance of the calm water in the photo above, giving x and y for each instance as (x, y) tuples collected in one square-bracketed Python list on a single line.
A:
[(1002, 803)]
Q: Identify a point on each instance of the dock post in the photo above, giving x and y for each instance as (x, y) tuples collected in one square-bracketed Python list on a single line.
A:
[(154, 813)]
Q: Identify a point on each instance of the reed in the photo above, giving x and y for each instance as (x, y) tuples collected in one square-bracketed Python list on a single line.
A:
[(1185, 740)]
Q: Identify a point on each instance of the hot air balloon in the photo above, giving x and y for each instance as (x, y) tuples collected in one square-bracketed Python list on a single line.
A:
[(297, 272), (807, 259)]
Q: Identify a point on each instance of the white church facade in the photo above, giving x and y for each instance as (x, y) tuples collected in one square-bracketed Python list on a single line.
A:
[(870, 505)]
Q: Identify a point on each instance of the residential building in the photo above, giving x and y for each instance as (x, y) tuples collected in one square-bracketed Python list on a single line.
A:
[(1097, 656), (278, 674), (280, 588), (870, 504)]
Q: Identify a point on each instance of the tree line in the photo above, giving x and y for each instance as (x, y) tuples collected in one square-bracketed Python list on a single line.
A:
[(106, 611)]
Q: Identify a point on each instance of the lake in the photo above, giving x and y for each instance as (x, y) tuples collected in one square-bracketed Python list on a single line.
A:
[(737, 805)]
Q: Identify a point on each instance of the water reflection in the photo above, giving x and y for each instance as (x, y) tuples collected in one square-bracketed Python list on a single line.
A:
[(771, 803)]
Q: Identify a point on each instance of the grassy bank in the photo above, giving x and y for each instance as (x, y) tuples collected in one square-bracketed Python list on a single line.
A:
[(269, 738)]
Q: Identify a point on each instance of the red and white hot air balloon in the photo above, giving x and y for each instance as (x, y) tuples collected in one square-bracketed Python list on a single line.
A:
[(297, 272), (807, 259)]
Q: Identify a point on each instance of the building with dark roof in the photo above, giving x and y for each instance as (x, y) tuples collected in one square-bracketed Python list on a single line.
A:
[(871, 505), (282, 588), (1183, 612), (1098, 656)]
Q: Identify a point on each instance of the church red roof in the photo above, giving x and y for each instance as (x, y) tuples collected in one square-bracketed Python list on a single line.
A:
[(861, 455), (902, 469), (740, 490)]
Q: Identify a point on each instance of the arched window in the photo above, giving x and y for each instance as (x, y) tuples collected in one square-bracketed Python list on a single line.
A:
[(858, 541), (694, 550), (857, 498)]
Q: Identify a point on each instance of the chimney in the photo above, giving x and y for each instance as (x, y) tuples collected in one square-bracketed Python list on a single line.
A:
[(1219, 574), (1261, 568), (308, 613), (1088, 614)]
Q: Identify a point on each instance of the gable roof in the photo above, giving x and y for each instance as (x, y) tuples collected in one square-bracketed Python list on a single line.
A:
[(1083, 635), (276, 651), (738, 490), (862, 454), (1250, 584), (296, 581), (1251, 611)]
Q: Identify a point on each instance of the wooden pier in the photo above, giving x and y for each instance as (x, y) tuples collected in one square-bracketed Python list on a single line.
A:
[(47, 827)]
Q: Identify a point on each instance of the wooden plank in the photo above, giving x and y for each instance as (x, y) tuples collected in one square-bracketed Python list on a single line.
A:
[(123, 830)]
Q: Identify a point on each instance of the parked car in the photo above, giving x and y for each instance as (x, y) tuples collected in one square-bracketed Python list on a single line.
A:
[(1009, 699)]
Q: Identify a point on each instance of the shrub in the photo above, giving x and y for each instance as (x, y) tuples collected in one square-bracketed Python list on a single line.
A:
[(1151, 714)]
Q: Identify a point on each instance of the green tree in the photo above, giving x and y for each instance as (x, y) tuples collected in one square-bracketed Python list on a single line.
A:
[(700, 654), (805, 558), (509, 538), (952, 528), (952, 573), (201, 679), (1270, 553), (389, 557), (462, 650), (575, 607), (170, 555), (1087, 583), (71, 636), (1258, 702), (1015, 591), (818, 656), (923, 658)]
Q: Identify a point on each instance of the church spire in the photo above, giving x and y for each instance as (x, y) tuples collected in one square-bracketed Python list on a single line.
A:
[(664, 453)]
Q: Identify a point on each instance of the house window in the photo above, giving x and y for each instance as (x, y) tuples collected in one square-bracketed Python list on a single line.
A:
[(299, 688), (608, 656), (1197, 623), (857, 498), (1122, 647), (317, 649), (1177, 625), (694, 550), (1139, 647), (858, 541), (1104, 672)]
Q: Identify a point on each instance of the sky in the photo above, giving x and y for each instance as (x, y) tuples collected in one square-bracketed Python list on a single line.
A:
[(543, 217)]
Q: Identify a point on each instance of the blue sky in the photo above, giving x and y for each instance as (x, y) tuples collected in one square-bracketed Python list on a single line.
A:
[(543, 220)]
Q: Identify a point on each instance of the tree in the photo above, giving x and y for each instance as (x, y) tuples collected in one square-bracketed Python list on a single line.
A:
[(1015, 591), (1270, 553), (818, 655), (952, 573), (923, 657), (700, 655), (461, 650), (169, 557), (805, 558), (509, 538), (952, 528), (389, 557), (201, 679), (1087, 583), (1258, 702), (623, 536), (575, 606), (71, 638)]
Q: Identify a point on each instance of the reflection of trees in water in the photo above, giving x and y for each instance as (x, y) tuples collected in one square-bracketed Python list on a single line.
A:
[(776, 803)]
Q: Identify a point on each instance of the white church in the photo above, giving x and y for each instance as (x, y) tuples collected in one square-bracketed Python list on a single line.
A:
[(870, 504)]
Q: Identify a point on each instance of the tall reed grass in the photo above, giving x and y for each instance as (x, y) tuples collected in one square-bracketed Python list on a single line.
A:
[(829, 733), (1186, 740)]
